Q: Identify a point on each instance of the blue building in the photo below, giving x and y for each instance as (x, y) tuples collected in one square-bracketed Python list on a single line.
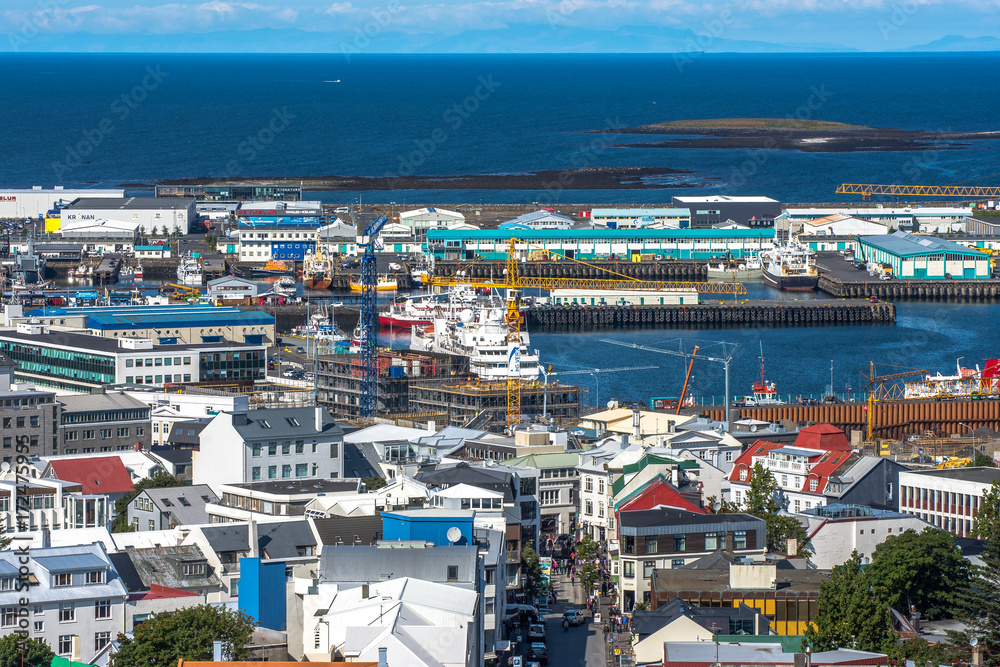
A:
[(280, 214), (442, 527), (588, 244), (924, 257)]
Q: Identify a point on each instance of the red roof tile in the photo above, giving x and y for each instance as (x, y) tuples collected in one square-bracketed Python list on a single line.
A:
[(658, 491), (97, 474), (823, 436), (157, 592)]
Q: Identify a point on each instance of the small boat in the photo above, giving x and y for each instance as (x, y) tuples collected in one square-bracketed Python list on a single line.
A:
[(274, 267), (764, 392), (285, 286), (385, 284), (126, 272), (137, 274), (745, 268), (189, 271)]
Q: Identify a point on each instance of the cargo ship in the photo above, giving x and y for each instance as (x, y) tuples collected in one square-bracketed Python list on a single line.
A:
[(317, 272), (790, 267)]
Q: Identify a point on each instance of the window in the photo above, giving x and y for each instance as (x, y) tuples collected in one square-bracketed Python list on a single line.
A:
[(452, 573), (286, 448), (600, 485), (184, 501), (8, 617), (66, 644), (651, 545), (67, 613), (714, 541), (628, 569), (677, 563), (798, 505), (152, 525), (286, 470), (102, 608), (588, 484), (301, 469), (39, 627), (255, 473), (600, 509), (743, 474), (272, 449), (729, 457), (813, 484), (101, 639), (647, 568), (588, 508), (740, 539), (256, 449), (95, 577), (195, 569), (680, 543), (62, 579)]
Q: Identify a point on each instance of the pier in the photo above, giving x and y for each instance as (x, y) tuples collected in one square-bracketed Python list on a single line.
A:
[(679, 270), (106, 272), (910, 290), (783, 312)]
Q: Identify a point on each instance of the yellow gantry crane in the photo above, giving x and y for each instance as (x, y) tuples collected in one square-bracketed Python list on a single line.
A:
[(886, 388), (866, 190), (514, 283)]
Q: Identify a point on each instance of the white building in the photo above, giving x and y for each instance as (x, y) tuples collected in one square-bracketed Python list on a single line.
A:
[(948, 499), (35, 202), (539, 220), (97, 232), (255, 245), (174, 213), (400, 493), (838, 224), (836, 530), (422, 219), (275, 500), (928, 219), (596, 498), (271, 444), (36, 503), (77, 605), (634, 218), (230, 289), (169, 408)]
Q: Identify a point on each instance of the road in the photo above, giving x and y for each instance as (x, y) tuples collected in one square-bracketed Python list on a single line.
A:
[(581, 646)]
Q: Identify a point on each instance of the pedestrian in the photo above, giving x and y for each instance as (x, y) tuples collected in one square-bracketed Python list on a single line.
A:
[(607, 631), (565, 624), (572, 578)]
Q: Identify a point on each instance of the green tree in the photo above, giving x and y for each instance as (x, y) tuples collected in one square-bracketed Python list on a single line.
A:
[(725, 507), (849, 615), (16, 651), (531, 571), (981, 608), (119, 523), (373, 483), (924, 570), (589, 573), (762, 502), (981, 460), (986, 525), (188, 634)]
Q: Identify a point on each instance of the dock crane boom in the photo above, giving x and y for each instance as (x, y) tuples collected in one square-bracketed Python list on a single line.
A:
[(687, 378), (369, 317), (513, 282), (866, 190)]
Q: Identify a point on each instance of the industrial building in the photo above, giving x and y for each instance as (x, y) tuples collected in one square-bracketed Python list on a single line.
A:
[(600, 243), (838, 224), (100, 234), (280, 214), (168, 324), (924, 257), (36, 202), (632, 218), (176, 214), (746, 211), (462, 400), (83, 363), (423, 219), (279, 243), (539, 220), (233, 193), (925, 219), (340, 379)]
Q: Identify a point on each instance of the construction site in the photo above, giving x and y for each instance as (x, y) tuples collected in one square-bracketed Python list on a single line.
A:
[(482, 404)]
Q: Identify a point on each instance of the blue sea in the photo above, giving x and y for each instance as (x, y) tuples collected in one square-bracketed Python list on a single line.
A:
[(101, 120)]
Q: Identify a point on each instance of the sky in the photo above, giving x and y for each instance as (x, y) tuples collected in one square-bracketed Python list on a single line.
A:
[(500, 25)]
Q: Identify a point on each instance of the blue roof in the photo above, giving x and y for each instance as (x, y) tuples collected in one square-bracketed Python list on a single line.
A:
[(147, 317), (641, 212), (907, 245), (598, 233), (74, 562), (152, 247)]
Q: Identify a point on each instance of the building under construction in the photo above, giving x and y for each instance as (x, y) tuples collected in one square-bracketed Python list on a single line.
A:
[(340, 379), (467, 399)]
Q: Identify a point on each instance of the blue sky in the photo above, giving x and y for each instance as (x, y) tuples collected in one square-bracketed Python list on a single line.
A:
[(498, 25)]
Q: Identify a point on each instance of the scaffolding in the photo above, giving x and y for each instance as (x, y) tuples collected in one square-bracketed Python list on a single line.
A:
[(467, 399)]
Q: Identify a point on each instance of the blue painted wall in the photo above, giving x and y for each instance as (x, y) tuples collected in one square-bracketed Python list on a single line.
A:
[(432, 529), (262, 592)]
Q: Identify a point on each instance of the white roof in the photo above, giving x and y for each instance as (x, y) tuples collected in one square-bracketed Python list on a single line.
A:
[(437, 212), (385, 433), (467, 491), (714, 199)]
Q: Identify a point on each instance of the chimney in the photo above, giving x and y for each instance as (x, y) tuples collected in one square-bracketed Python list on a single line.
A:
[(793, 546), (624, 441), (46, 538), (432, 426), (364, 591), (383, 660), (318, 423), (636, 420), (675, 476), (914, 618)]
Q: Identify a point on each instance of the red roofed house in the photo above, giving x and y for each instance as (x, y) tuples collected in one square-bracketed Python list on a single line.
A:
[(105, 475), (819, 469)]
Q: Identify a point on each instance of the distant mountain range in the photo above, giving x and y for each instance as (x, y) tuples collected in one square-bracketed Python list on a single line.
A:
[(513, 39)]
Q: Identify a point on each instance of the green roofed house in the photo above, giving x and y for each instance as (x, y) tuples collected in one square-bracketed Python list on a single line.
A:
[(558, 489), (914, 257)]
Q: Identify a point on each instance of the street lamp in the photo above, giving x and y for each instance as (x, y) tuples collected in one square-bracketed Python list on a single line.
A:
[(973, 432)]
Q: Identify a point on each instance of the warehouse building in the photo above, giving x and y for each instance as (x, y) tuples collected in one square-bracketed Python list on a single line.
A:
[(587, 244), (924, 257), (288, 243), (538, 220), (176, 214), (422, 219), (747, 211), (82, 363), (233, 193), (925, 219), (280, 214), (36, 202), (632, 218)]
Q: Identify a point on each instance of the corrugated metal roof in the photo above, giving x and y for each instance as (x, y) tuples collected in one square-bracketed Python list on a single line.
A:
[(909, 245), (599, 233), (640, 212)]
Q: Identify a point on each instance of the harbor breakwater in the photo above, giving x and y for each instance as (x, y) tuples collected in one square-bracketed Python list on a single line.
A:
[(913, 290)]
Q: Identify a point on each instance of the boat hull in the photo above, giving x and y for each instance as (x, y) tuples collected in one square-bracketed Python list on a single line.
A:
[(402, 322), (264, 273), (791, 283), (382, 287), (317, 283)]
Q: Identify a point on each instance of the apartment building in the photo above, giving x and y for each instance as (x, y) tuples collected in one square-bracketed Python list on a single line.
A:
[(948, 499)]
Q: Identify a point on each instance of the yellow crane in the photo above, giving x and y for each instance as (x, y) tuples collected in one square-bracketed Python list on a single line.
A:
[(866, 190), (885, 388), (514, 283)]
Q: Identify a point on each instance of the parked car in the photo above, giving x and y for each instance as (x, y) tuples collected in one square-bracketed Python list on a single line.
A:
[(537, 651), (300, 349), (574, 616), (536, 631)]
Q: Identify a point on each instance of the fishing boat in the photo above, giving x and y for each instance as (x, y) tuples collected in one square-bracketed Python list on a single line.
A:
[(138, 274), (736, 270), (385, 283), (408, 312), (791, 267), (764, 392), (273, 267), (419, 275), (189, 271), (126, 272), (285, 286), (317, 272)]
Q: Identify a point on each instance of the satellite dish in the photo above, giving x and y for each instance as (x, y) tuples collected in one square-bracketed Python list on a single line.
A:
[(5, 466), (454, 534), (974, 642)]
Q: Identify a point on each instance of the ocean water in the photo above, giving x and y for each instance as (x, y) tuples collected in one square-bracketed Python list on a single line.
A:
[(103, 119), (108, 120)]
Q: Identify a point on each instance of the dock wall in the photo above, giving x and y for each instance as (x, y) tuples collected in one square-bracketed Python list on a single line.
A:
[(662, 270), (913, 290)]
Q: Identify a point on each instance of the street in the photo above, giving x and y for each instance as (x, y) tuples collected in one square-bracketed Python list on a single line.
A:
[(578, 646)]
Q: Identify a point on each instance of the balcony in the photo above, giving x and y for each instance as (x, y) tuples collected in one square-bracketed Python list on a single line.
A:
[(513, 555)]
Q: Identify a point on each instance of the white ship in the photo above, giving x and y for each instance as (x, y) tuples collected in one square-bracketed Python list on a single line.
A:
[(189, 271), (480, 335), (791, 267)]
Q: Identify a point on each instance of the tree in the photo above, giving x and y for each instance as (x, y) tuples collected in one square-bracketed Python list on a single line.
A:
[(589, 573), (981, 460), (986, 525), (531, 571), (17, 651), (188, 634), (119, 523), (924, 570), (762, 502), (725, 507), (4, 540), (373, 483), (849, 615)]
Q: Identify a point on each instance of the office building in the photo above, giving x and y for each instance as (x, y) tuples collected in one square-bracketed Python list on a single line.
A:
[(947, 499)]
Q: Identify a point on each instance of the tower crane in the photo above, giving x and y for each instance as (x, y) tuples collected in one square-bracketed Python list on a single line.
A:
[(369, 317), (582, 371), (866, 190), (884, 388), (513, 282)]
